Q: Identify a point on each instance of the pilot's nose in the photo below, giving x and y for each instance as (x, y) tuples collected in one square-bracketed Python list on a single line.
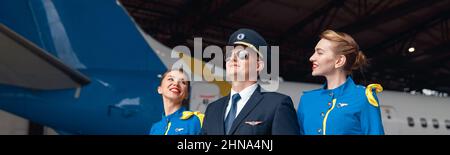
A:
[(233, 57)]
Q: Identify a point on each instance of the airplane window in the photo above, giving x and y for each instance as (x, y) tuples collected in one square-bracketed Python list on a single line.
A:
[(447, 124), (410, 121), (435, 123), (423, 122), (388, 114)]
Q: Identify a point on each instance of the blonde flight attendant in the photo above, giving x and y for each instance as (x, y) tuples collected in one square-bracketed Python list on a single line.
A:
[(340, 107)]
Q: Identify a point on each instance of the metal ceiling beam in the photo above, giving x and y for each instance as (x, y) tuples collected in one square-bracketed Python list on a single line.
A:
[(146, 10), (190, 10), (293, 30), (422, 69), (385, 16), (371, 21), (411, 62), (417, 70), (438, 53), (394, 38), (208, 18), (411, 66), (377, 5), (221, 13)]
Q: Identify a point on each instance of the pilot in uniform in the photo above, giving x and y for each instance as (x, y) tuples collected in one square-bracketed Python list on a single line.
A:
[(181, 122), (346, 110)]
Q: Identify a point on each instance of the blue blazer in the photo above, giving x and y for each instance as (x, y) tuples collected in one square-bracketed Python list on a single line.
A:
[(181, 122), (265, 113), (349, 109)]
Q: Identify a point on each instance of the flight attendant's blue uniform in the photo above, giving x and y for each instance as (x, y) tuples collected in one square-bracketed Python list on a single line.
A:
[(181, 122), (347, 110)]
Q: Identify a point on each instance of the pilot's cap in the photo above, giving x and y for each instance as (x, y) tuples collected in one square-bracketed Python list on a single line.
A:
[(249, 38)]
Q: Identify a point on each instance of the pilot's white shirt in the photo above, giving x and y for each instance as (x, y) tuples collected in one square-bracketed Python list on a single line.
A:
[(245, 96)]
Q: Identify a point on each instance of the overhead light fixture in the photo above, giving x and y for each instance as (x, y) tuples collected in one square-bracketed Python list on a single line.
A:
[(411, 49)]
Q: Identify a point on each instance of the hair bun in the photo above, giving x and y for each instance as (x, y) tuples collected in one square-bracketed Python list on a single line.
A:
[(360, 61)]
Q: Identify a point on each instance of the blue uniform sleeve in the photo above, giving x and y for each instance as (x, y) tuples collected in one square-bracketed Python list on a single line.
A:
[(285, 120), (153, 129), (371, 123), (195, 126), (300, 116)]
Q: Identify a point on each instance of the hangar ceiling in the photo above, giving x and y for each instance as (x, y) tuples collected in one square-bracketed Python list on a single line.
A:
[(385, 31)]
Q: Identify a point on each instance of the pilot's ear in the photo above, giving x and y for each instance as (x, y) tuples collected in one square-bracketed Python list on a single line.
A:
[(259, 66), (159, 90)]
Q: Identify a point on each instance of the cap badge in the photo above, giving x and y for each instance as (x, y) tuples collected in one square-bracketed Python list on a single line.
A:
[(240, 36)]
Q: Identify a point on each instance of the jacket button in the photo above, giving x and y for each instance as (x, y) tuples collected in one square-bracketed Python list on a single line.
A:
[(331, 94), (322, 114), (329, 103), (319, 130)]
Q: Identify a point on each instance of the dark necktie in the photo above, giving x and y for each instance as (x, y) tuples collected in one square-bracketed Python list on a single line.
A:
[(232, 114)]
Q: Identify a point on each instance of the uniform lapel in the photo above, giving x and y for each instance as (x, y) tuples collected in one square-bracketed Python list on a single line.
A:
[(249, 106), (221, 113)]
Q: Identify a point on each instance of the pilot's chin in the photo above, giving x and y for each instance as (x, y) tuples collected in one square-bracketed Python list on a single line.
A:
[(236, 77)]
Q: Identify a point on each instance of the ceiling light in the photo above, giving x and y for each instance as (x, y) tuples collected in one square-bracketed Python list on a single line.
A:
[(411, 49)]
